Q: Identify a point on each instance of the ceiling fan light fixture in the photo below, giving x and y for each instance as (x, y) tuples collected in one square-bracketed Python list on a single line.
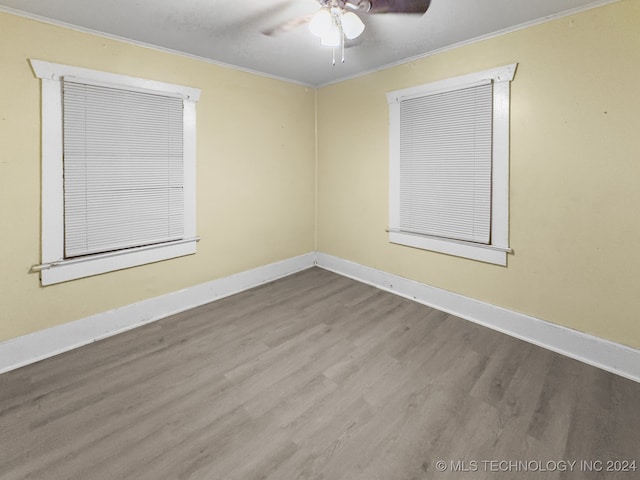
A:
[(321, 22), (352, 25), (332, 37)]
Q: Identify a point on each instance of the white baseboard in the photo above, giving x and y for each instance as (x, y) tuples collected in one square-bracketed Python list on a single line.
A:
[(20, 351), (604, 354)]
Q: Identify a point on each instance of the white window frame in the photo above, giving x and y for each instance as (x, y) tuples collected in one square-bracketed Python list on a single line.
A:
[(495, 252), (55, 268)]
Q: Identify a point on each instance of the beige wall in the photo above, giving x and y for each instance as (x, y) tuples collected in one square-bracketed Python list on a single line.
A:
[(575, 173), (575, 166), (256, 160)]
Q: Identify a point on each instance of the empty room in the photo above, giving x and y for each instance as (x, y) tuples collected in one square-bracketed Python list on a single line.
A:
[(319, 239)]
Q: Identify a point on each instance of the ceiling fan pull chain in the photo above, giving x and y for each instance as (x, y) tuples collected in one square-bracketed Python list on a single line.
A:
[(334, 56), (342, 44)]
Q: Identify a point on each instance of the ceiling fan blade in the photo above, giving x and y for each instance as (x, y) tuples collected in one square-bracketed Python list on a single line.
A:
[(397, 6), (287, 26)]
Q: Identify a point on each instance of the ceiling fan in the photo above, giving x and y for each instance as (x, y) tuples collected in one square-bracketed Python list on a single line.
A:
[(337, 20)]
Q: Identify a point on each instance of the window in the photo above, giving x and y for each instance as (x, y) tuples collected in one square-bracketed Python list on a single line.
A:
[(118, 171), (449, 166)]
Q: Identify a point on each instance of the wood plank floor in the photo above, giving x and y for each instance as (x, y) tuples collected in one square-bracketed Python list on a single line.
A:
[(314, 376)]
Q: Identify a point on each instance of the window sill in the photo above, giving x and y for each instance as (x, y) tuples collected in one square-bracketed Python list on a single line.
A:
[(64, 270), (481, 253)]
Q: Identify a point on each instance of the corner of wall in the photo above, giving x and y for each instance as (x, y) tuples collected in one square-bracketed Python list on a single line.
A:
[(315, 196)]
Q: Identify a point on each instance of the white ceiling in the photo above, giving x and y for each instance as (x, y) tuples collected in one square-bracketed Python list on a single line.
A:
[(229, 31)]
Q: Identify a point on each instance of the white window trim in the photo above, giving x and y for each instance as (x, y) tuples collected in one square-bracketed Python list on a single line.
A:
[(55, 268), (496, 252)]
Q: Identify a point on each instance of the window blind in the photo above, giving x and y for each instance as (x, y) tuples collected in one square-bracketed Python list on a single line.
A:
[(123, 168), (445, 164)]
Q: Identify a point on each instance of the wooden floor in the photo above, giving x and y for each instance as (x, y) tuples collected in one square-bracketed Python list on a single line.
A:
[(314, 376)]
